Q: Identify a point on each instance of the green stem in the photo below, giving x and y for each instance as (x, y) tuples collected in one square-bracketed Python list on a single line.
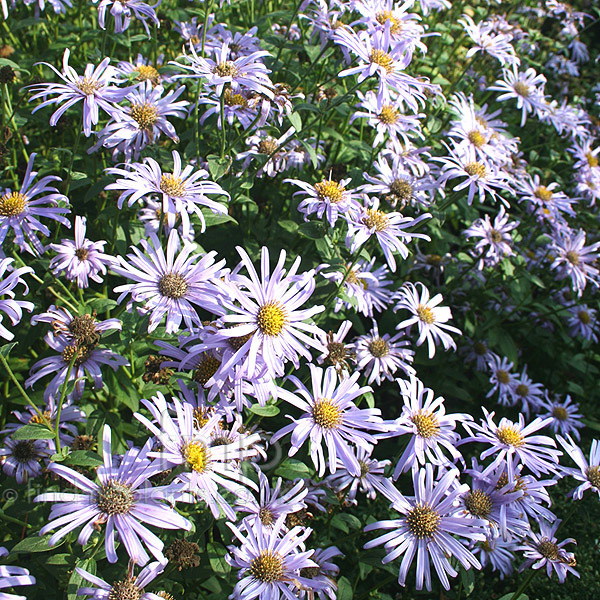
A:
[(70, 175), (208, 8), (19, 386), (223, 130), (62, 398)]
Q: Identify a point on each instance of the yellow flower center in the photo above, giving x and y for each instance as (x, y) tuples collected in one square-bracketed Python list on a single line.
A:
[(548, 549), (426, 424), (207, 367), (426, 314), (388, 115), (147, 73), (331, 191), (88, 86), (326, 414), (573, 257), (232, 99), (383, 59), (522, 89), (401, 191), (379, 347), (376, 219), (476, 169), (172, 186), (496, 236), (115, 498), (226, 69), (145, 115), (584, 317), (196, 456), (522, 390), (385, 16), (502, 376), (266, 516), (423, 521), (510, 436), (476, 138), (543, 193), (271, 319), (592, 161), (125, 590), (267, 567), (560, 413), (267, 146), (12, 204), (478, 503), (173, 285), (593, 476)]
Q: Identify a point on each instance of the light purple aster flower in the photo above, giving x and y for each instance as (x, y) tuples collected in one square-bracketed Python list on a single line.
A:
[(123, 500), (81, 259), (498, 553), (431, 319), (267, 309), (13, 576), (87, 360), (367, 287), (331, 415), (324, 574), (334, 352), (502, 379), (8, 305), (526, 394), (543, 550), (21, 210), (432, 431), (389, 229), (369, 481), (273, 502), (380, 356), (123, 11), (495, 240), (22, 459), (245, 72), (95, 87), (576, 260), (566, 418), (513, 444), (588, 472), (208, 463), (141, 123), (271, 563), (183, 191), (328, 197), (171, 283), (584, 322), (128, 587), (427, 528)]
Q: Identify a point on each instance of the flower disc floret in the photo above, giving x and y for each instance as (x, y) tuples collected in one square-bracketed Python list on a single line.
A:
[(171, 185), (593, 476), (196, 456), (331, 191), (173, 285), (510, 436), (115, 498), (145, 115), (326, 414), (379, 347), (125, 590), (376, 219), (478, 503), (271, 319), (383, 59), (426, 424), (423, 521), (12, 204), (267, 567)]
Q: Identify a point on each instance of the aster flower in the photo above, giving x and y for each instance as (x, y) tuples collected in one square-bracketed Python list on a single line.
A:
[(583, 321), (330, 415), (486, 41), (271, 563), (273, 502), (576, 260), (21, 210), (142, 70), (502, 379), (324, 574), (513, 444), (328, 197), (498, 553), (123, 500), (380, 356), (128, 587), (366, 286), (369, 481), (170, 283), (430, 318), (543, 550), (122, 13), (95, 87), (427, 528), (527, 88), (8, 305), (13, 576), (183, 191), (244, 107), (566, 418), (389, 229), (546, 199), (588, 472), (242, 73), (479, 353), (266, 315), (432, 431), (23, 459), (81, 259), (526, 393), (141, 123), (208, 462), (334, 352), (495, 240)]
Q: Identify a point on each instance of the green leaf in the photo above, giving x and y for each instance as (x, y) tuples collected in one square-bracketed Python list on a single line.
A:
[(296, 121), (36, 544), (76, 581), (468, 580), (292, 469), (217, 166), (60, 560), (344, 591), (270, 410), (33, 432), (289, 226), (216, 557), (346, 522), (311, 230), (5, 350), (510, 596), (83, 458)]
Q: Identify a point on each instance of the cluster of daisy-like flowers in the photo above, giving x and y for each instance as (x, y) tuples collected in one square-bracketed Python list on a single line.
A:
[(245, 331)]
